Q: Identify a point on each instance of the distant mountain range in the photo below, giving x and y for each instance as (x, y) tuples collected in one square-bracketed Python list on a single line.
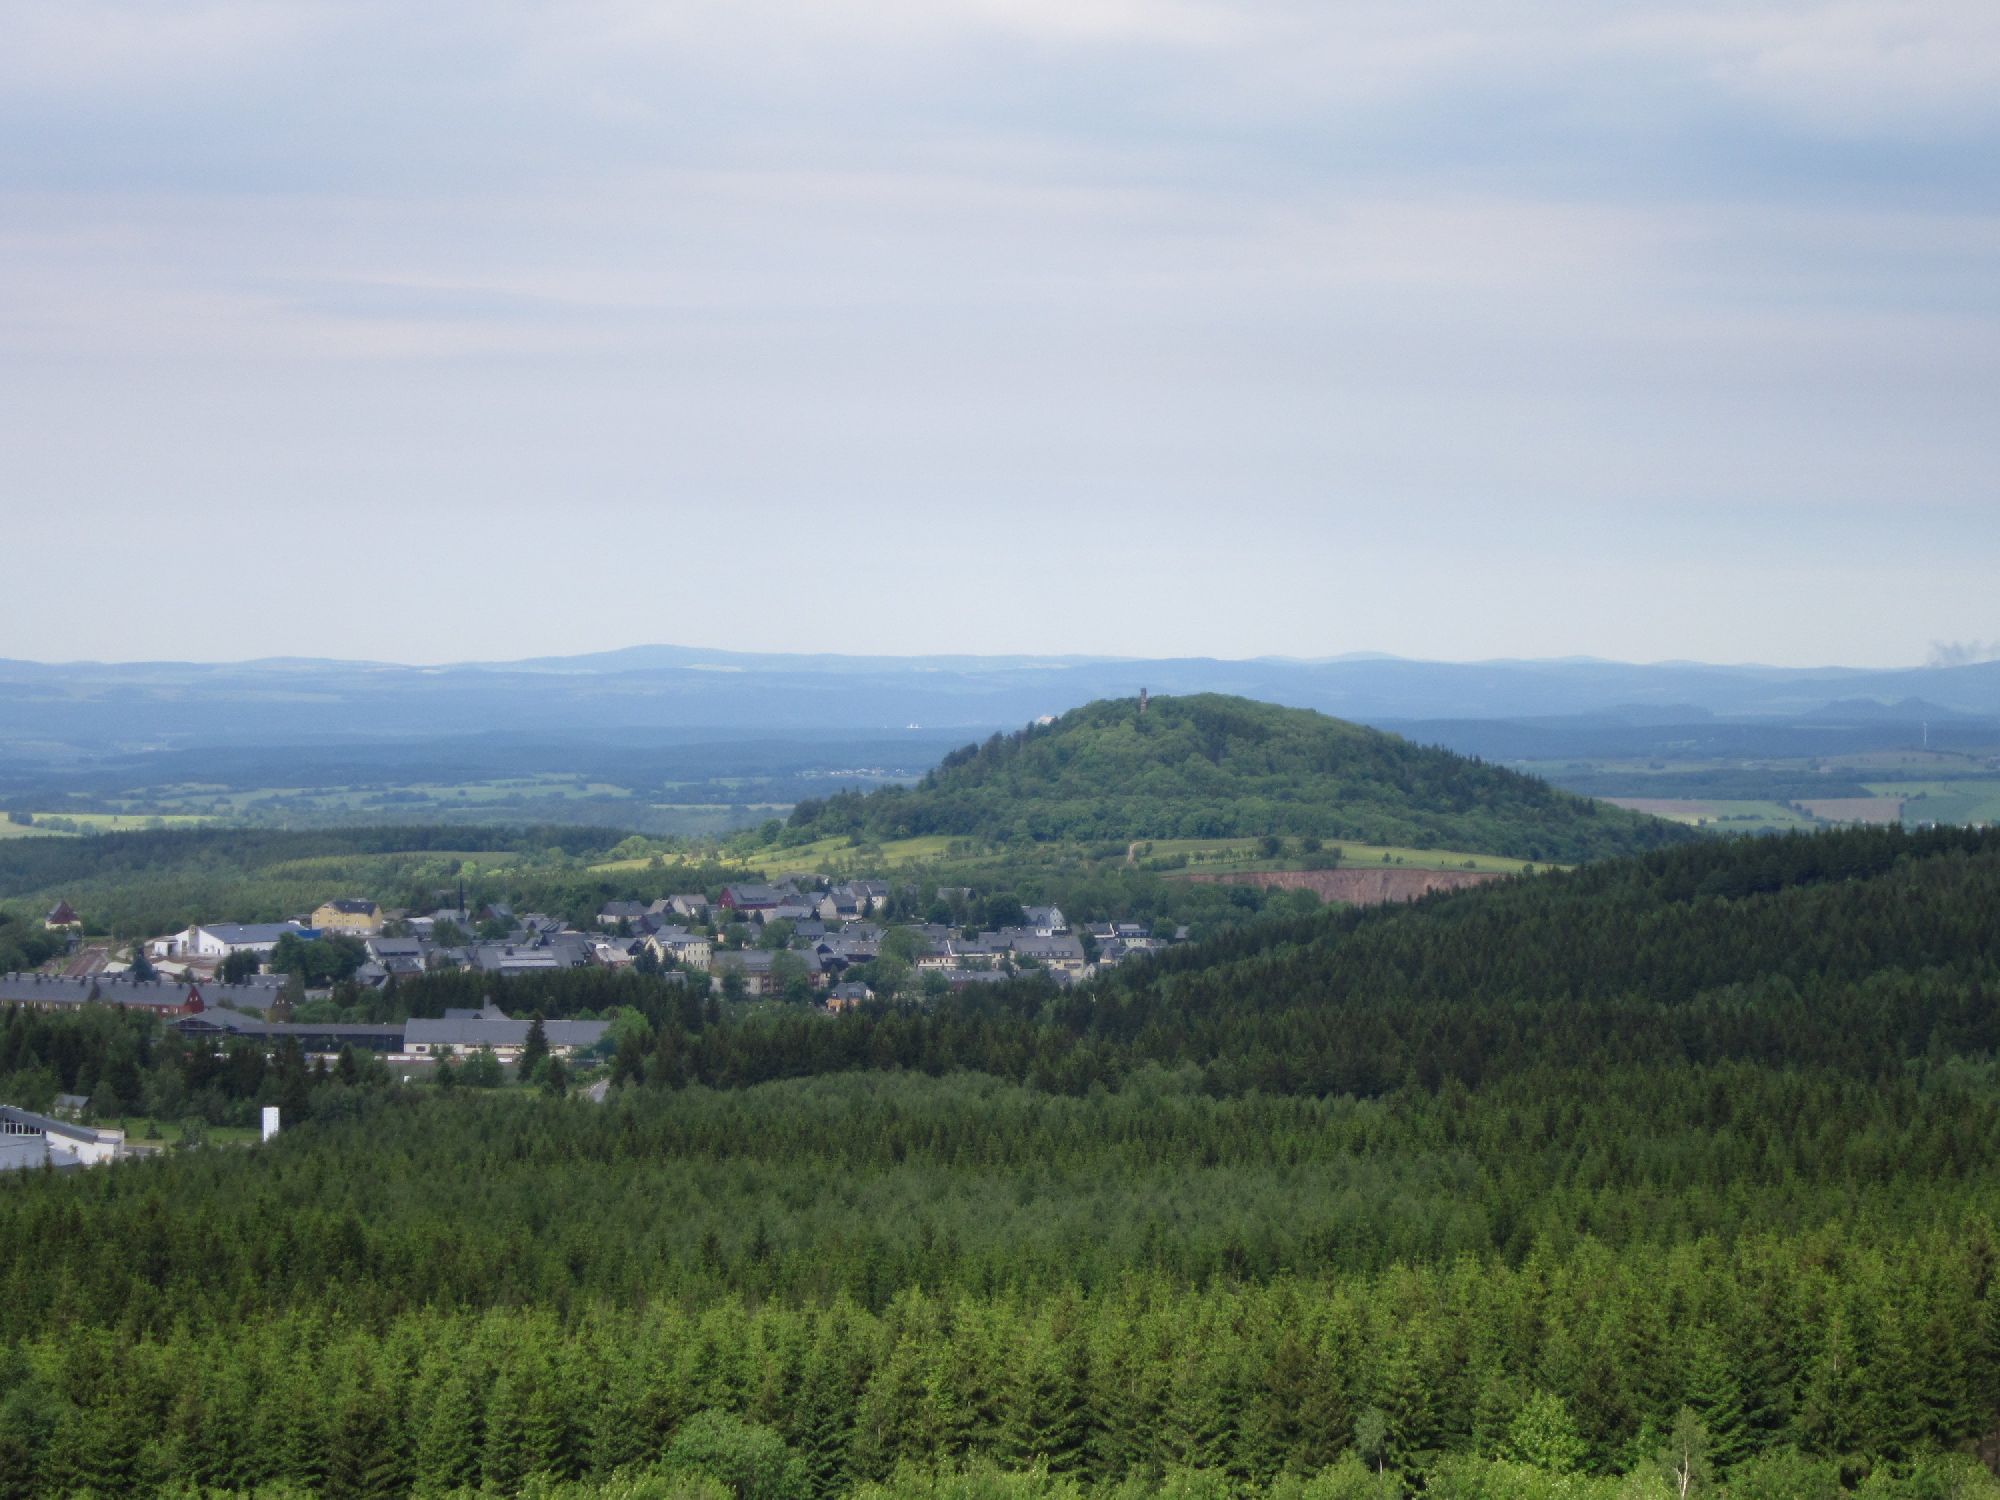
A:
[(57, 710)]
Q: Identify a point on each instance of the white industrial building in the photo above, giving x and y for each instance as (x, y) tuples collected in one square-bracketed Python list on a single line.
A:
[(31, 1140), (220, 939)]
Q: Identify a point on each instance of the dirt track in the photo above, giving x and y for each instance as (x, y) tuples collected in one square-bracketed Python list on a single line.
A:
[(1357, 887)]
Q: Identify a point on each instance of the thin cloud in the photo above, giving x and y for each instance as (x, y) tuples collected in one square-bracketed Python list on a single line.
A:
[(1962, 653)]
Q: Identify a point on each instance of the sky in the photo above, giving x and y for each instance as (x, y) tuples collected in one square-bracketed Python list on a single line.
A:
[(480, 329)]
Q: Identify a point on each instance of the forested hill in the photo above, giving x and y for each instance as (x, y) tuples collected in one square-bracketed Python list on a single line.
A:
[(1861, 952), (1210, 766)]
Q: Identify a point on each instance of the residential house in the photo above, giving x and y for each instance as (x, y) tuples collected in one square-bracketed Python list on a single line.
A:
[(754, 898), (851, 900), (847, 996), (400, 958), (348, 915), (755, 965), (691, 950), (1063, 955), (523, 954), (160, 997), (62, 917), (838, 950), (794, 909), (1045, 921)]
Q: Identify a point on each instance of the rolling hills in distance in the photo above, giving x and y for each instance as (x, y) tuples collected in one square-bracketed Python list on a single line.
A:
[(664, 739), (684, 690)]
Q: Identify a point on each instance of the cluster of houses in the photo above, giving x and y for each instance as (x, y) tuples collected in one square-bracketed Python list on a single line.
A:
[(755, 939), (250, 1010)]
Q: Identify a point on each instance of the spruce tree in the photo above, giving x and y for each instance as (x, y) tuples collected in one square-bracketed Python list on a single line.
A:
[(1715, 1396), (448, 1447), (362, 1462), (503, 1456)]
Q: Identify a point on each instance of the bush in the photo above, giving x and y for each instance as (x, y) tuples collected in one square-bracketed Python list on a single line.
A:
[(752, 1462)]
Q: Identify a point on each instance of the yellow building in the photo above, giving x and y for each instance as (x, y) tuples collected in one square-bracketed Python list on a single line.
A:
[(348, 916)]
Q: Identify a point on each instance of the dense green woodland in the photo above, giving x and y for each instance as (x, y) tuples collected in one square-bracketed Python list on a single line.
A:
[(1210, 766), (1671, 1176)]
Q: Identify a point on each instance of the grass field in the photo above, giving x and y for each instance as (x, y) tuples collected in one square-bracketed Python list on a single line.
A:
[(171, 1131), (1201, 854), (1722, 815), (1243, 854), (1855, 809), (1944, 801), (103, 822)]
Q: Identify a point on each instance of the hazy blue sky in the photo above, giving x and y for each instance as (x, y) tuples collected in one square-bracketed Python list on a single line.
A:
[(476, 328)]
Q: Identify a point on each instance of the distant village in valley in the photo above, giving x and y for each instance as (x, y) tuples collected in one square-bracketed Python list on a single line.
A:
[(825, 945)]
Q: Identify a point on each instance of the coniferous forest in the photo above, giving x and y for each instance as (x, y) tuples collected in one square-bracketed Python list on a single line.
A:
[(1676, 1175)]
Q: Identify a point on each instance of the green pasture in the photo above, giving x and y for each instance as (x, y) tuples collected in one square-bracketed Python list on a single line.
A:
[(1944, 801), (113, 822), (1244, 854), (173, 1131), (20, 831), (1218, 855)]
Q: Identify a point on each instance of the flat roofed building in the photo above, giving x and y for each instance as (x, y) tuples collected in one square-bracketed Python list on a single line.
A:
[(221, 939), (491, 1027), (64, 1143), (219, 1025)]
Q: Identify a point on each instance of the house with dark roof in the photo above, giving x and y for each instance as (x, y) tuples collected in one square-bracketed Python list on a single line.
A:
[(217, 1024), (749, 898), (756, 965), (62, 917), (840, 951), (491, 1027), (348, 915), (691, 950), (162, 997), (1064, 954), (847, 996)]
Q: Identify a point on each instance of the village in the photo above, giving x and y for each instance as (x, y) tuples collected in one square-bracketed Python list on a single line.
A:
[(825, 945)]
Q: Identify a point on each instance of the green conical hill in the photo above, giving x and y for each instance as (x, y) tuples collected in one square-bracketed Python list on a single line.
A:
[(1211, 766)]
